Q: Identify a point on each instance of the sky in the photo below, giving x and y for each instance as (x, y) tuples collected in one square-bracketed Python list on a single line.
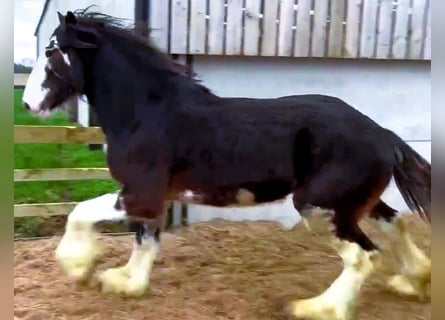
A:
[(26, 16)]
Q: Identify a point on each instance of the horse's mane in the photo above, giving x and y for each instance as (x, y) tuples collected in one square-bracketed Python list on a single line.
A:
[(138, 32)]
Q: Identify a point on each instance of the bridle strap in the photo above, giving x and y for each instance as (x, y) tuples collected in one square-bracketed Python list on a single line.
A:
[(51, 47)]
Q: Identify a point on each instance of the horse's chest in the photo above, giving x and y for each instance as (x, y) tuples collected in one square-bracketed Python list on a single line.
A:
[(129, 170)]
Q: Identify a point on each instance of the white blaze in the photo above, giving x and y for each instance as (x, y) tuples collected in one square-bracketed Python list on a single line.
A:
[(34, 94)]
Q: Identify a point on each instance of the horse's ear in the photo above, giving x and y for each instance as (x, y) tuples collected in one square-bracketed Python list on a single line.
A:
[(61, 18), (70, 18)]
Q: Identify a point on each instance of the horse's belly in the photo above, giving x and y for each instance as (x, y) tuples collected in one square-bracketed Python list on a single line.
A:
[(237, 192)]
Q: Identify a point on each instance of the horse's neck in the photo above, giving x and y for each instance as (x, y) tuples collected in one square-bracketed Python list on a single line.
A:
[(117, 97), (122, 111), (123, 93)]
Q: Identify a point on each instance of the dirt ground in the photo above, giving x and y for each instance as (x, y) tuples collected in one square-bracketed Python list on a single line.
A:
[(216, 270)]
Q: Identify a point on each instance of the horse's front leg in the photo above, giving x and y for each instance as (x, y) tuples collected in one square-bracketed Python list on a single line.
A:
[(133, 278), (79, 247), (143, 199)]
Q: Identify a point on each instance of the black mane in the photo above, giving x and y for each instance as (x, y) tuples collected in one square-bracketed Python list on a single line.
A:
[(131, 30)]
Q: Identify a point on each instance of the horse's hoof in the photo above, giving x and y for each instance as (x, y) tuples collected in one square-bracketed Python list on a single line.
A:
[(287, 310), (409, 286), (78, 258), (79, 268), (311, 309), (119, 281)]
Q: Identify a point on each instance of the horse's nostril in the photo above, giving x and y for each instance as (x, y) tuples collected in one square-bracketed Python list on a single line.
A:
[(27, 107)]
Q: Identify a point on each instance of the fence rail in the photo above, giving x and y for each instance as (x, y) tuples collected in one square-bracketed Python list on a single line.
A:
[(67, 134), (20, 80), (61, 174), (55, 134), (58, 134), (369, 29), (43, 209)]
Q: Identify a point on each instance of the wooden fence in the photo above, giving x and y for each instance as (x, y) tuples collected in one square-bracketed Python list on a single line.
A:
[(20, 80), (372, 29), (63, 135), (55, 134)]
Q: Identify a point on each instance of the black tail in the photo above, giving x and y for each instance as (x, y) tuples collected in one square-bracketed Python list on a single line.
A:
[(412, 174)]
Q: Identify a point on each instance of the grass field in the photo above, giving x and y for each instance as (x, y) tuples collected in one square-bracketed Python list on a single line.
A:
[(30, 156)]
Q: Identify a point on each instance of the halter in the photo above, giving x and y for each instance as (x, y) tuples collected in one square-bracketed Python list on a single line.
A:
[(53, 45)]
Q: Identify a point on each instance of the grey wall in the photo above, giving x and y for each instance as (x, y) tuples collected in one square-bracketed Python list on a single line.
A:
[(396, 94)]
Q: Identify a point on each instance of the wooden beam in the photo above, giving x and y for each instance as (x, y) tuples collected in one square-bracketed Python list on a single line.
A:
[(178, 27), (302, 36), (43, 209), (384, 28), (65, 208), (59, 174), (20, 80), (58, 134)]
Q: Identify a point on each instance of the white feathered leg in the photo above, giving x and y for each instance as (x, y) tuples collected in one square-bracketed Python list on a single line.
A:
[(339, 301), (133, 279), (415, 271), (79, 247)]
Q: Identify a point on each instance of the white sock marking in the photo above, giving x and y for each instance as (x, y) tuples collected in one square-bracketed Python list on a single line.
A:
[(385, 226), (97, 209), (79, 246), (339, 300), (143, 256), (415, 270), (132, 279)]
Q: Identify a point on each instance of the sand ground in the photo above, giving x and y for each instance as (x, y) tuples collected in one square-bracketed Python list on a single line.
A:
[(216, 270)]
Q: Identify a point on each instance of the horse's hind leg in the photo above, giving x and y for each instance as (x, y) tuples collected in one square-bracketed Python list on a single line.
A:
[(415, 272), (359, 254), (79, 247)]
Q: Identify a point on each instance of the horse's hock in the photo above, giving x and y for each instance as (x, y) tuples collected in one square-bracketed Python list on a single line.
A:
[(216, 270)]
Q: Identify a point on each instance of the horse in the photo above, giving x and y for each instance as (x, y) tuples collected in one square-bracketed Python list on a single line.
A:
[(171, 138)]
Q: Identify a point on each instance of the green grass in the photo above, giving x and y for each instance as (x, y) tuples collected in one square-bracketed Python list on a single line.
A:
[(33, 156)]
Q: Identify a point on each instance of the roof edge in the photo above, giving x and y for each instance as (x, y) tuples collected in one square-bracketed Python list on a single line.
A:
[(42, 15)]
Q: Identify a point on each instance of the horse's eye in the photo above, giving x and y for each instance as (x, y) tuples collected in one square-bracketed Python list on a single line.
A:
[(48, 53)]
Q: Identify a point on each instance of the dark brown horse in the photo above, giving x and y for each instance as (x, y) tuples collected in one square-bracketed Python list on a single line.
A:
[(170, 138)]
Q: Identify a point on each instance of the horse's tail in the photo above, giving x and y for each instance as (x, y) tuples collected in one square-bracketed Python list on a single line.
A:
[(412, 174)]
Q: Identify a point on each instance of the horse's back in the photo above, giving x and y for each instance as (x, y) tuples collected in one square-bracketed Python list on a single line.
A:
[(238, 141)]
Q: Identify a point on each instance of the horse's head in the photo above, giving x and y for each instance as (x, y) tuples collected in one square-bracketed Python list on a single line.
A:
[(81, 40), (58, 76)]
